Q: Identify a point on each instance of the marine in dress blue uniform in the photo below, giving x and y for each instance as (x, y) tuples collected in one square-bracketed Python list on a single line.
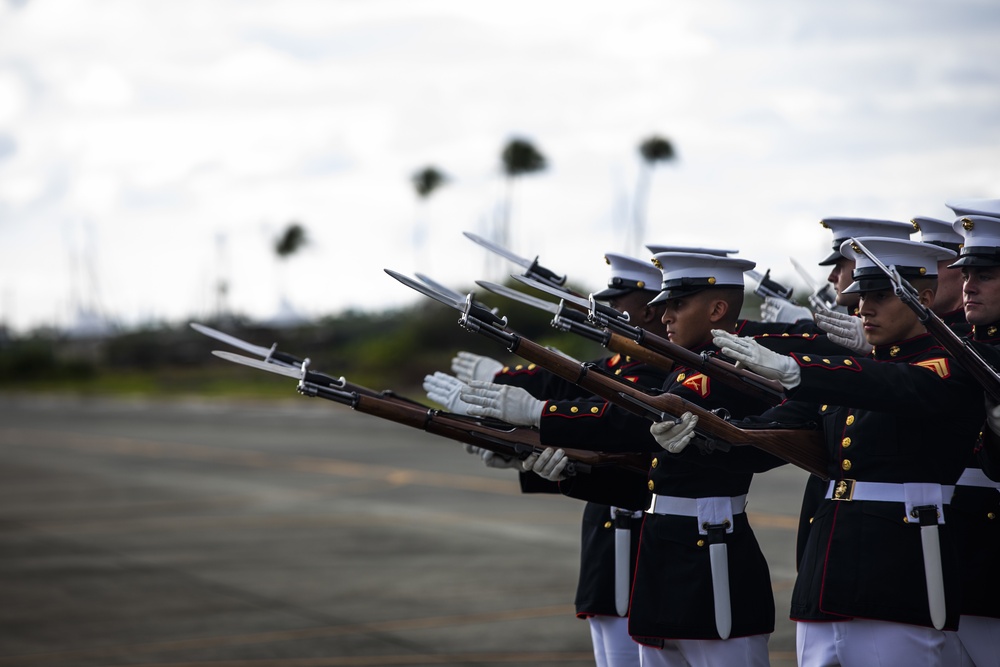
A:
[(899, 426)]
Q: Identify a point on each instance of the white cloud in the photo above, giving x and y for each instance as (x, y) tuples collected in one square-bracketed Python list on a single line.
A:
[(166, 124)]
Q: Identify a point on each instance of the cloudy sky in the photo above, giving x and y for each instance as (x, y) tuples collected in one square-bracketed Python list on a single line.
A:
[(150, 149)]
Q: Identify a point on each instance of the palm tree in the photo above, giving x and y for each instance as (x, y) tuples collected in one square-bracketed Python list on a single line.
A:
[(519, 157), (425, 181), (652, 150), (290, 242)]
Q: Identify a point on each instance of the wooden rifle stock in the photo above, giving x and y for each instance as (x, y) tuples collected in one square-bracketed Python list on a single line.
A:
[(803, 448), (504, 439)]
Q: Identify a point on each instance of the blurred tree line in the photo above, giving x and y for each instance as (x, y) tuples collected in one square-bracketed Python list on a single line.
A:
[(382, 350)]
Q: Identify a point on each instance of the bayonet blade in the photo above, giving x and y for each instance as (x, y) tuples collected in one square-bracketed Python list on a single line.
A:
[(520, 297), (231, 340), (435, 285), (804, 275), (554, 291), (427, 291), (287, 371), (503, 252)]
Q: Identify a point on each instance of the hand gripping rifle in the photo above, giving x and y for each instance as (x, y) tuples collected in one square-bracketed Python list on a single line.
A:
[(803, 448), (741, 379), (504, 439), (959, 348)]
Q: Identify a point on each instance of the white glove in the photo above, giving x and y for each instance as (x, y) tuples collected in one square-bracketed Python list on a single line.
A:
[(780, 310), (492, 459), (844, 330), (468, 366), (445, 389), (550, 464), (674, 436), (758, 358), (992, 416), (510, 404)]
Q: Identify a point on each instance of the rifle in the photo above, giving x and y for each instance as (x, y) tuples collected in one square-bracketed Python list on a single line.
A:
[(575, 321), (504, 439), (741, 379), (822, 299), (959, 348), (803, 448)]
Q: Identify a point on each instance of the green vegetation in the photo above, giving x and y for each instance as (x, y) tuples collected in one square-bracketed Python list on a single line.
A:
[(387, 350)]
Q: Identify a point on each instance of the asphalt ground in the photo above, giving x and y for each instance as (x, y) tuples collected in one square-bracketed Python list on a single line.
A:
[(290, 533)]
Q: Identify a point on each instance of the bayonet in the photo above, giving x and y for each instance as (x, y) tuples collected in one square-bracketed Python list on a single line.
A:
[(532, 268), (596, 310), (270, 355), (820, 298), (766, 287)]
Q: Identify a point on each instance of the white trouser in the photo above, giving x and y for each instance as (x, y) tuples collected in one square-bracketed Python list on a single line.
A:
[(612, 645), (980, 637), (739, 652), (876, 644)]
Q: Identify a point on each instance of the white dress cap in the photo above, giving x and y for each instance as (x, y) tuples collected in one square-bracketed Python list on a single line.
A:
[(845, 228), (657, 249), (982, 240), (938, 232), (964, 207), (628, 274), (912, 260), (687, 273)]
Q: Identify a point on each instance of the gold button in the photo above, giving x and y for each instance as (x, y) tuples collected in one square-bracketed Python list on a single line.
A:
[(607, 524), (846, 465), (680, 378), (811, 519), (906, 519), (628, 359), (700, 543), (850, 419), (826, 361), (531, 367), (518, 367), (894, 350), (784, 335), (848, 362), (654, 463), (846, 442), (650, 485), (991, 516), (765, 335), (552, 408), (618, 372), (574, 409), (506, 369), (806, 359), (595, 409), (823, 408)]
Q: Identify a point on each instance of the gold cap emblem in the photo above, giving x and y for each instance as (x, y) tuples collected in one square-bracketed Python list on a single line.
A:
[(916, 225), (855, 248), (822, 223), (607, 261), (967, 224), (657, 264)]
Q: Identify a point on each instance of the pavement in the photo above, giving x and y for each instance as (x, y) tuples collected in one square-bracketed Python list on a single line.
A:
[(197, 533)]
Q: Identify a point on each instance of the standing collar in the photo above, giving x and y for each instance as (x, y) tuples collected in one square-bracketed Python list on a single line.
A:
[(904, 349)]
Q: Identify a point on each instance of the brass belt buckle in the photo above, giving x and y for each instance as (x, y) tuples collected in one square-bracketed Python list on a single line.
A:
[(844, 490)]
